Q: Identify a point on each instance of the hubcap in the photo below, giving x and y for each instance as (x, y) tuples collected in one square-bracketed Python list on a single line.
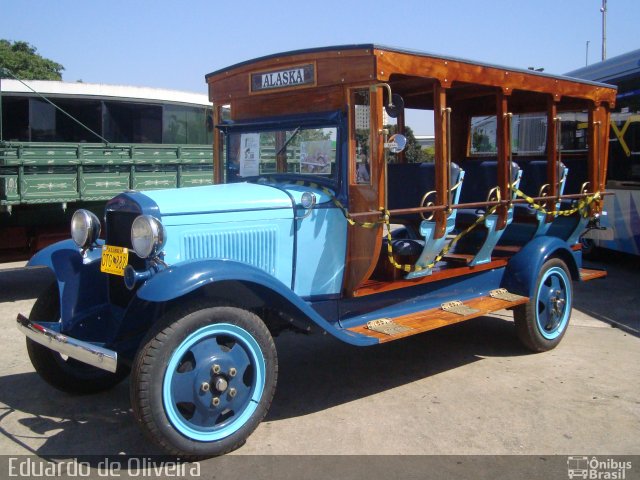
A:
[(211, 412), (553, 303)]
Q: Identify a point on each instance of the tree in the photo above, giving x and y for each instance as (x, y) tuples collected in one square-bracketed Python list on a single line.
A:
[(413, 151), (21, 59)]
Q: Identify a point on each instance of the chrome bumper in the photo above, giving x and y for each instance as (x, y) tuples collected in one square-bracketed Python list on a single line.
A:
[(82, 351)]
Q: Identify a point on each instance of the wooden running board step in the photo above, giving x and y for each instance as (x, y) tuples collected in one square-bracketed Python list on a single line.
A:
[(419, 322), (587, 274)]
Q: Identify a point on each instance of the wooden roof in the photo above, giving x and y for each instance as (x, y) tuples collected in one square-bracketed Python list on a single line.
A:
[(369, 63)]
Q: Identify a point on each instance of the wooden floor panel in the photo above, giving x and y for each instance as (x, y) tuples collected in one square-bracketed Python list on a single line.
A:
[(373, 286), (587, 274), (430, 319)]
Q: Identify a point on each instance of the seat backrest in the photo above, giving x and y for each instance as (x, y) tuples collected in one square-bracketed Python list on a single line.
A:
[(578, 173), (408, 182), (534, 176), (481, 177)]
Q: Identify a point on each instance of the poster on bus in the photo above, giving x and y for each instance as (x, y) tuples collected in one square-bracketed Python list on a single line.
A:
[(249, 154), (315, 156)]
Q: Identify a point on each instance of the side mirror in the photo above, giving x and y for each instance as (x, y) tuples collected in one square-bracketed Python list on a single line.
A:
[(396, 143), (395, 107), (307, 202)]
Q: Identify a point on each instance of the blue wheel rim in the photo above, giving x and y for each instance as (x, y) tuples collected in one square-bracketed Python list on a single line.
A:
[(553, 303), (189, 406)]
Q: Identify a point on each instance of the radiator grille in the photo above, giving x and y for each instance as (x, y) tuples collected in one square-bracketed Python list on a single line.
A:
[(255, 247), (119, 234)]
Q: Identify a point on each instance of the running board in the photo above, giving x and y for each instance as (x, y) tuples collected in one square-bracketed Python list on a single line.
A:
[(413, 323), (587, 274)]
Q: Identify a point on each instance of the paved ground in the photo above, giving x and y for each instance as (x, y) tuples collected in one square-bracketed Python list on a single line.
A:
[(465, 389)]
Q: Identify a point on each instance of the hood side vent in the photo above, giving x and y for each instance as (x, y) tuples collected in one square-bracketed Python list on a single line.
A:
[(255, 247)]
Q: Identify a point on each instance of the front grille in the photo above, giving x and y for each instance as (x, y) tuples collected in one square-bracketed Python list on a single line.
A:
[(119, 234)]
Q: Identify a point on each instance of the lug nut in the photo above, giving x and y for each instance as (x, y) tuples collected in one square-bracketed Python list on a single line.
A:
[(215, 401), (232, 372), (232, 392), (204, 387), (215, 369)]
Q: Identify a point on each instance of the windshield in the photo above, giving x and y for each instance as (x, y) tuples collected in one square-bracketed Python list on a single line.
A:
[(298, 150)]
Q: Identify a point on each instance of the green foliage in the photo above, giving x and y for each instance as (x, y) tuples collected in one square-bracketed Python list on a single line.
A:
[(414, 153), (481, 142), (23, 61), (429, 153)]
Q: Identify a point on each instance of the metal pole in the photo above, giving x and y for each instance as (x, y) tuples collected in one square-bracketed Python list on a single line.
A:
[(603, 9), (586, 57)]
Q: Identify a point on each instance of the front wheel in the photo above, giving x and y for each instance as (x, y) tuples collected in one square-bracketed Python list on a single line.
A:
[(542, 322), (204, 379)]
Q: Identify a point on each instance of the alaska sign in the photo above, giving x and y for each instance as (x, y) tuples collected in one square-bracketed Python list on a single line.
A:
[(287, 78)]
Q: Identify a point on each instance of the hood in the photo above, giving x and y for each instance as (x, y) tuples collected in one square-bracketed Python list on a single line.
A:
[(231, 197)]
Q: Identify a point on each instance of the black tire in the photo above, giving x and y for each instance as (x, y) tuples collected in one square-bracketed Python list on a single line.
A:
[(65, 374), (542, 322), (179, 355), (589, 249)]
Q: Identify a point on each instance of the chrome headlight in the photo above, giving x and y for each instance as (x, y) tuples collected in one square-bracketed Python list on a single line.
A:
[(85, 228), (147, 236)]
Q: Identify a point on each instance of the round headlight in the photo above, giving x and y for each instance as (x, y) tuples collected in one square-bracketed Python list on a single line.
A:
[(147, 236), (85, 228)]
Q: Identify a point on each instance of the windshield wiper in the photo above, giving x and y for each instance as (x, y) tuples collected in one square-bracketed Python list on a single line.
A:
[(288, 141)]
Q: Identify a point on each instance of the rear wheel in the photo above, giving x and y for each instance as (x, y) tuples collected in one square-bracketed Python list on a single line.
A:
[(65, 373), (589, 249), (542, 322), (204, 379)]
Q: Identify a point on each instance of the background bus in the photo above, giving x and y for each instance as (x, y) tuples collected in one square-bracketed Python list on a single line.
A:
[(50, 165), (623, 179)]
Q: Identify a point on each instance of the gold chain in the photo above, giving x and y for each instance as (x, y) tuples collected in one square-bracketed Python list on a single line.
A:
[(386, 220)]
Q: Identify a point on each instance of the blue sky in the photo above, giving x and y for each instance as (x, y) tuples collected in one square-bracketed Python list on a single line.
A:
[(173, 44)]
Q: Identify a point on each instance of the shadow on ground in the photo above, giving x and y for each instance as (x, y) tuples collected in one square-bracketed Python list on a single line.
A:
[(595, 298), (316, 373), (23, 283)]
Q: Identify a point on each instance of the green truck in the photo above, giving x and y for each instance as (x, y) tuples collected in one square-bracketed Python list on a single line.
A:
[(69, 145)]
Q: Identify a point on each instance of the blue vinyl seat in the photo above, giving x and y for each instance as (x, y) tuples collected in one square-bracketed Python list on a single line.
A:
[(481, 241)]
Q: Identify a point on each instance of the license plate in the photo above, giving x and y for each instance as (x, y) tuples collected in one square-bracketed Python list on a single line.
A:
[(114, 260)]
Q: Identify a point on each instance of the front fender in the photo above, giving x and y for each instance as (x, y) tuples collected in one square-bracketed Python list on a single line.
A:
[(522, 271), (80, 284), (182, 279)]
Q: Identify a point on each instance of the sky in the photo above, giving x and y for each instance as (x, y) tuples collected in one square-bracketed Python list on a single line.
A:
[(173, 44)]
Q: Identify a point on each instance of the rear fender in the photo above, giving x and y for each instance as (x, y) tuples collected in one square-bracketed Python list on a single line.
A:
[(522, 271)]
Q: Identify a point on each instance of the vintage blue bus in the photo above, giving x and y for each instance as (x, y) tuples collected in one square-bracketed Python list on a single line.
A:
[(318, 222)]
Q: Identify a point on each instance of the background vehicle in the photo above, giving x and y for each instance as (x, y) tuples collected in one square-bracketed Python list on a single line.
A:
[(623, 178), (188, 287), (50, 164)]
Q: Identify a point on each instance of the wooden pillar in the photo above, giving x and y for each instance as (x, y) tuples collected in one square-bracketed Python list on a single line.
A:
[(281, 158), (503, 137), (553, 143), (218, 161), (364, 244), (443, 172), (598, 149)]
